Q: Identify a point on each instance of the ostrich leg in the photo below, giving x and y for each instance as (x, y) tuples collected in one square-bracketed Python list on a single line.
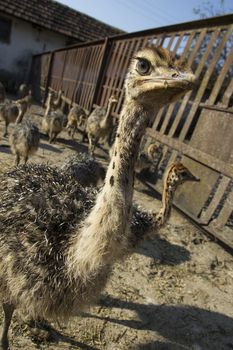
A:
[(8, 310)]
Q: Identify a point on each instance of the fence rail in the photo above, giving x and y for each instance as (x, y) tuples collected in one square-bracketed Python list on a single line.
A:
[(198, 129)]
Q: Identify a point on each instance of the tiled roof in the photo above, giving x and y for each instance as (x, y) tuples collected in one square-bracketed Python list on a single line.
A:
[(59, 18)]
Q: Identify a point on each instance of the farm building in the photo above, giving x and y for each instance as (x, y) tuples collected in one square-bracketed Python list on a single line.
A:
[(30, 27)]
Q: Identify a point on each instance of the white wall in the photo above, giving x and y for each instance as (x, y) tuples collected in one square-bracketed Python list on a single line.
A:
[(26, 40)]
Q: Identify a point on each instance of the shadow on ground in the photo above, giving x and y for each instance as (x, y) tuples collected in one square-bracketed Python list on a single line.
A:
[(164, 252), (49, 147), (183, 327)]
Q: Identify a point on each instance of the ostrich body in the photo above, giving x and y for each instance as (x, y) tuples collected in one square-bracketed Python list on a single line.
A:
[(52, 124), (25, 102), (10, 111), (24, 139), (76, 117), (2, 93), (99, 124), (51, 103), (28, 98), (53, 270), (85, 170)]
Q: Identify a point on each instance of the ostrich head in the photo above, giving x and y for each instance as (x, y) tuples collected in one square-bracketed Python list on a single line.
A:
[(177, 174), (156, 77), (152, 150), (113, 99)]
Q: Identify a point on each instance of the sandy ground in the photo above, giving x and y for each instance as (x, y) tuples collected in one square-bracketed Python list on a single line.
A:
[(174, 293)]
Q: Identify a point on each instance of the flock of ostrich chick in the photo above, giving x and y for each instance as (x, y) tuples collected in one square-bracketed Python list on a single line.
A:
[(60, 233)]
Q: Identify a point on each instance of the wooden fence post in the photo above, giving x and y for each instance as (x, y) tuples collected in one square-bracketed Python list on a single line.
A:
[(48, 77)]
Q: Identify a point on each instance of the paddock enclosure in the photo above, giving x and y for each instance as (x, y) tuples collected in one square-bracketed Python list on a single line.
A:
[(198, 130)]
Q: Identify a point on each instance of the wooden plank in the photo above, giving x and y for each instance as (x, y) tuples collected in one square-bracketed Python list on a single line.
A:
[(89, 76), (224, 214), (207, 214), (201, 157), (224, 236), (221, 78), (217, 107), (160, 112), (227, 95), (213, 135), (106, 49), (172, 106), (177, 45), (48, 78), (172, 37), (83, 68), (198, 71), (204, 83), (111, 63)]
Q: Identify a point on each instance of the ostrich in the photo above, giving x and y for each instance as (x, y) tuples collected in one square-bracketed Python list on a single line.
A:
[(48, 103), (2, 93), (144, 223), (10, 111), (99, 124), (24, 139), (56, 104), (150, 158), (76, 117), (52, 124), (28, 98), (85, 170), (52, 269)]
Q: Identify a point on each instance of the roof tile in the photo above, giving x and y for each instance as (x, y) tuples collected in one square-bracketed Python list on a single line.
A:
[(61, 18)]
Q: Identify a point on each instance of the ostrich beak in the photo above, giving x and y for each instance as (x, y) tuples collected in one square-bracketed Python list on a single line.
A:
[(192, 177), (183, 81), (196, 179)]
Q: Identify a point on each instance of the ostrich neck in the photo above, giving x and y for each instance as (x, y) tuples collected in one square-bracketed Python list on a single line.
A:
[(19, 117), (57, 101), (104, 233), (167, 199), (108, 114), (48, 108)]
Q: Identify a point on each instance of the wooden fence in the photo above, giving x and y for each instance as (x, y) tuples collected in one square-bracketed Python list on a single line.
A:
[(198, 129)]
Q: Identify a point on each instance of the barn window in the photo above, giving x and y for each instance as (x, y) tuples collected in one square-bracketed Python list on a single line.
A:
[(5, 30)]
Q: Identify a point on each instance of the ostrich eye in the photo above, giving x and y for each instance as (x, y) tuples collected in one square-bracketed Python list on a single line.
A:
[(143, 66)]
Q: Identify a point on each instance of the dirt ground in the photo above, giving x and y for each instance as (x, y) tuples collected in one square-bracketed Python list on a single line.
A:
[(174, 293)]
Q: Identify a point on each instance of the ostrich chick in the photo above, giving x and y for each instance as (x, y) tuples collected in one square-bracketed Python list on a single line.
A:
[(28, 98), (10, 111), (85, 170), (76, 117), (150, 158), (24, 139), (49, 269), (99, 124), (144, 223), (52, 124), (56, 104)]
